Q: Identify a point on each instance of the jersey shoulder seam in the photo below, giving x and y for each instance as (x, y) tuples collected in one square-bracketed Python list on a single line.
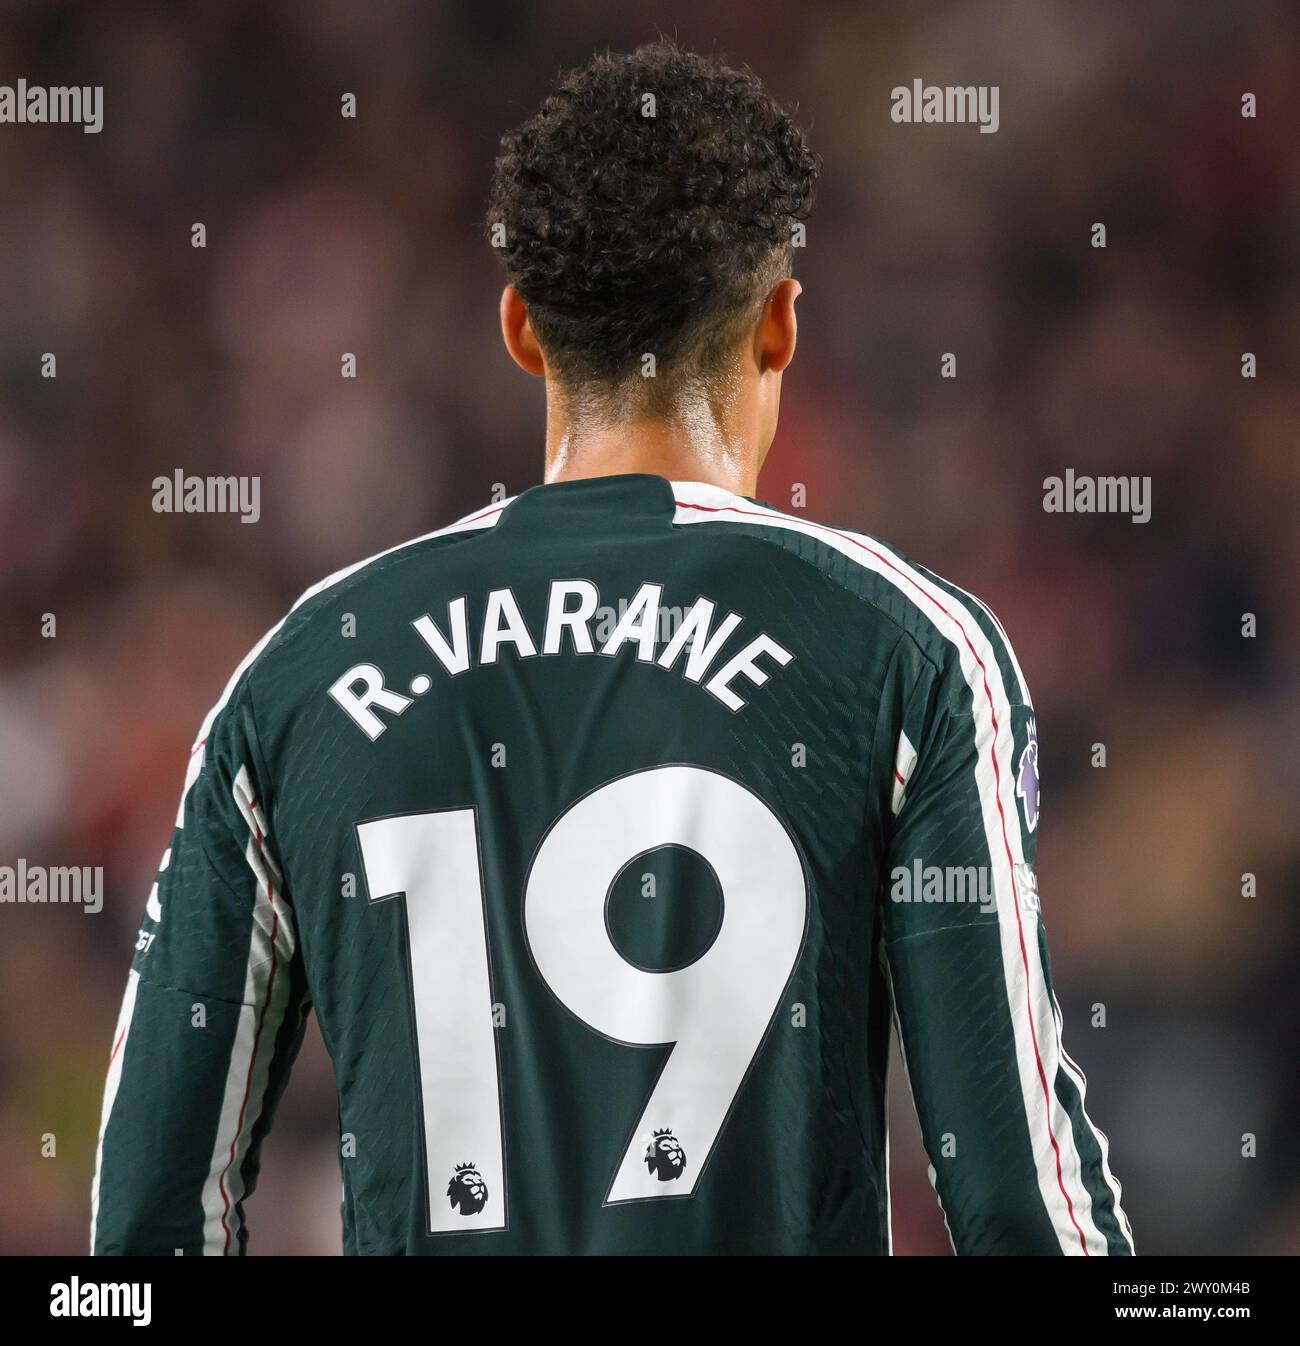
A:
[(972, 608), (349, 577), (305, 607), (757, 533)]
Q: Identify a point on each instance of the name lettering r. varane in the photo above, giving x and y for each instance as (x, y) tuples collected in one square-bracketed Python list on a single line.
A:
[(694, 647)]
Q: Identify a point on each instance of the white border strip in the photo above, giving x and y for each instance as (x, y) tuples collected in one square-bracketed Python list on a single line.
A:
[(1056, 1158), (1074, 1071), (121, 1032), (272, 940)]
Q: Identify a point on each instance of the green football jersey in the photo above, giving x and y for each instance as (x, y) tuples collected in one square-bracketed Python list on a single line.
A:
[(606, 831)]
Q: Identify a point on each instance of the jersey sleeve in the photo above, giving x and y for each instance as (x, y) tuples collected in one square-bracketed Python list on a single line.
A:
[(211, 1021), (1017, 1164)]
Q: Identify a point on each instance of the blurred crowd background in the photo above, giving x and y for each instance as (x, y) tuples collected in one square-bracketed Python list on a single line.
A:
[(327, 235)]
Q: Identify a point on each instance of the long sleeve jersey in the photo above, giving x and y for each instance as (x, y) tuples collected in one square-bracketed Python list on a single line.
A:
[(606, 833)]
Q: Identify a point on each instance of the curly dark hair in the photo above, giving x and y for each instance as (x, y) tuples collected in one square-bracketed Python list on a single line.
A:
[(649, 207)]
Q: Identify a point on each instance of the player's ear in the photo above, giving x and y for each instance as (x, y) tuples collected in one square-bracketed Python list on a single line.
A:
[(517, 332), (778, 328)]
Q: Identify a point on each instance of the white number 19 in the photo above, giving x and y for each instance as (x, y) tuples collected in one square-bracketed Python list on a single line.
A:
[(714, 1012)]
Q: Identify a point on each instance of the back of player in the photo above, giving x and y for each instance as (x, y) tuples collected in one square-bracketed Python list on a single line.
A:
[(604, 830), (611, 944), (573, 822)]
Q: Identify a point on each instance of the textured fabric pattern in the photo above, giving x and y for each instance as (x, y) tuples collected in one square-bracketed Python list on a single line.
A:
[(882, 727)]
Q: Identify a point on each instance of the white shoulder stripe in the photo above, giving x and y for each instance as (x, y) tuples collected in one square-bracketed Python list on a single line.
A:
[(1056, 1157), (904, 765), (1081, 1084), (271, 945), (120, 1034), (1006, 642)]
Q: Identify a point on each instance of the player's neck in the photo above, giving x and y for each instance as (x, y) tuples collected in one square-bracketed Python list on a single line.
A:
[(694, 445)]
